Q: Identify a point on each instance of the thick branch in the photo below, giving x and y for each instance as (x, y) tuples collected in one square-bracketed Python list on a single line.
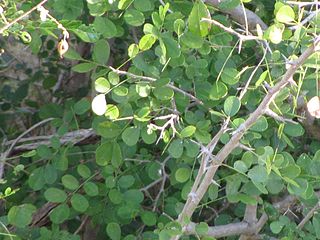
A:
[(243, 17), (231, 229)]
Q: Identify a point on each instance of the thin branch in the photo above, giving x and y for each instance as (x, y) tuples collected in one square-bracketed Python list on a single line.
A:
[(309, 216), (306, 20), (151, 79), (83, 223), (22, 16), (274, 115), (230, 30)]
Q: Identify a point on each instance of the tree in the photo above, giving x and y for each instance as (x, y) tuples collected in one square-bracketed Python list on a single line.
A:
[(159, 120)]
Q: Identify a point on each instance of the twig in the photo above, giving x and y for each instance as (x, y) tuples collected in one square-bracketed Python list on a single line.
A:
[(22, 16), (306, 20), (230, 30), (151, 79), (83, 223), (272, 114), (4, 155), (244, 90), (303, 4), (250, 216), (309, 216)]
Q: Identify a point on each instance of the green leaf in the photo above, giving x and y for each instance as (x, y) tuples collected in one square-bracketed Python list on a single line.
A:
[(126, 181), (147, 41), (143, 5), (91, 189), (261, 125), (228, 4), (70, 182), (108, 130), (83, 171), (50, 174), (55, 195), (176, 148), (101, 52), (79, 202), (37, 179), (258, 174), (285, 14), (230, 76), (182, 174), (134, 196), (149, 218), (148, 137), (114, 231), (86, 33), (112, 112), (218, 91), (115, 196), (316, 225), (276, 227), (83, 67), (60, 214), (109, 152), (195, 24), (191, 40), (21, 216), (105, 26), (133, 50), (123, 4), (72, 54), (202, 228), (29, 154), (131, 135), (102, 85), (163, 93), (134, 17), (82, 106), (231, 106), (172, 46), (293, 130), (188, 131)]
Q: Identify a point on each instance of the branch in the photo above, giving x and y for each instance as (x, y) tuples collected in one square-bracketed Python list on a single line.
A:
[(75, 137), (231, 229), (241, 16), (309, 216), (4, 155), (22, 16), (230, 30), (151, 79), (193, 202)]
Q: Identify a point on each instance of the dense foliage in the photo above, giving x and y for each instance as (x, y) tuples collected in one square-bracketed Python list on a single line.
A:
[(107, 108)]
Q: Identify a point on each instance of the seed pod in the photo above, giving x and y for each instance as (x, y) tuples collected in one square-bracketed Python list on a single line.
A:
[(62, 47)]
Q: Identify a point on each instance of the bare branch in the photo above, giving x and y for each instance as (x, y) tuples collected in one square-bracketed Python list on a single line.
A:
[(274, 115), (22, 16), (309, 216), (230, 30), (231, 229), (151, 79)]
